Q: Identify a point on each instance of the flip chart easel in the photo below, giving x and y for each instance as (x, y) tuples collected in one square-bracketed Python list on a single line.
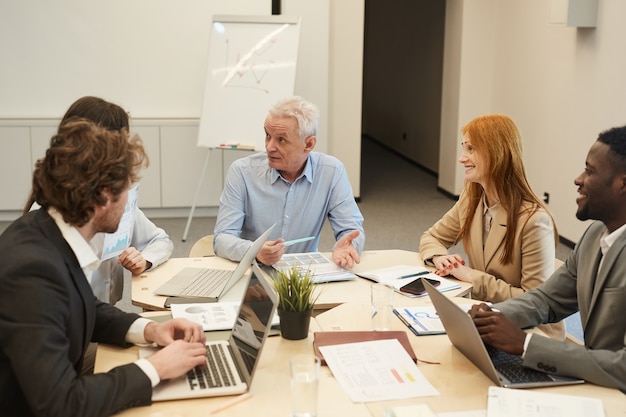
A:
[(251, 65)]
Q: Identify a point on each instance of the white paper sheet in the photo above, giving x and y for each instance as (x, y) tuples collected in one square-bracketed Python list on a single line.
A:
[(378, 370), (505, 402), (211, 316)]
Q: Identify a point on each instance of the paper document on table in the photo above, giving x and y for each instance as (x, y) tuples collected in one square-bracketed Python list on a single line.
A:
[(322, 268), (399, 275), (211, 316), (423, 320), (506, 402), (377, 370), (115, 243)]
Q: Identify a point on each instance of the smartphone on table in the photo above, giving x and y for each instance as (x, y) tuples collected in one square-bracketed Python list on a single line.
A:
[(416, 287)]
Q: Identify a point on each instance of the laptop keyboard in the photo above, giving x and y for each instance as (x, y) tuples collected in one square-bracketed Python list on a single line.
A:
[(216, 373), (511, 367), (206, 281)]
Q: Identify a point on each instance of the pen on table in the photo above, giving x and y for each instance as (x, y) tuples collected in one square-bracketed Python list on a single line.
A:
[(414, 275), (302, 239), (230, 403)]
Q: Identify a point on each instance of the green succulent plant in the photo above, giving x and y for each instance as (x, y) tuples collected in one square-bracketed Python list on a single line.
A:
[(295, 289)]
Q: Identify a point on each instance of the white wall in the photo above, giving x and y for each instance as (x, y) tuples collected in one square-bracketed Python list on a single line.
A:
[(149, 56), (562, 86), (345, 88)]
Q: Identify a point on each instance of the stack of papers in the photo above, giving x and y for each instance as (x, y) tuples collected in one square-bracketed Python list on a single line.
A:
[(399, 275), (323, 269), (377, 370)]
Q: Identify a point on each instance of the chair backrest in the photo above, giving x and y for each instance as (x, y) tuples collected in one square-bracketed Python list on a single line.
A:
[(203, 247)]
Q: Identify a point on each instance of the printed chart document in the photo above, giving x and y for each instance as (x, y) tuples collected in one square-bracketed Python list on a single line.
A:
[(399, 275), (116, 243), (506, 402), (377, 370), (211, 316), (323, 269), (423, 320)]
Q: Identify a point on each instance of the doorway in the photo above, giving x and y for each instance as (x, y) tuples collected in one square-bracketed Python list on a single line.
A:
[(402, 77)]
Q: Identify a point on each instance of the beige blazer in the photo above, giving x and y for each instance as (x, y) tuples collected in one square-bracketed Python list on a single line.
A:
[(533, 253)]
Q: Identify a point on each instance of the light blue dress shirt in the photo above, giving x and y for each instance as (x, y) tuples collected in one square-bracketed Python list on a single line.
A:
[(255, 197)]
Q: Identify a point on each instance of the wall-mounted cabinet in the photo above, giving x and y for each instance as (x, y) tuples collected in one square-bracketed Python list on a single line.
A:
[(171, 180), (15, 165)]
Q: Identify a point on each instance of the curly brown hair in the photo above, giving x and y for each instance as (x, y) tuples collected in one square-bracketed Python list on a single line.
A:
[(83, 160)]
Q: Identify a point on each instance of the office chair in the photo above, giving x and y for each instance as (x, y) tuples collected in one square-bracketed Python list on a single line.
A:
[(203, 247)]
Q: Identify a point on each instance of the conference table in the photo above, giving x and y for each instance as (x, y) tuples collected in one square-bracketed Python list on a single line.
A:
[(331, 294), (343, 306)]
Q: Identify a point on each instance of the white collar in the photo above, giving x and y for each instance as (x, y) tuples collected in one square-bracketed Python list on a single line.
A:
[(85, 254), (608, 239)]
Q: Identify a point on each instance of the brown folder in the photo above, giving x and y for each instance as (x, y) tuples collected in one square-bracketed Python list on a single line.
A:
[(340, 337)]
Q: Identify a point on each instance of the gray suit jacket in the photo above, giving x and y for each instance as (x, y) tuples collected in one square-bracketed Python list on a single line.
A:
[(48, 316), (601, 298)]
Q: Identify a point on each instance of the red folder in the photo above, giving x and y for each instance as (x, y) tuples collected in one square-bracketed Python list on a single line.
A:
[(340, 337)]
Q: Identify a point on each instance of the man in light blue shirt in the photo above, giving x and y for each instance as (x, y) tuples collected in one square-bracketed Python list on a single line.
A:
[(292, 186)]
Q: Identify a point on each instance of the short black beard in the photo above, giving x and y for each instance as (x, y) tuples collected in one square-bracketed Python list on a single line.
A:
[(582, 214)]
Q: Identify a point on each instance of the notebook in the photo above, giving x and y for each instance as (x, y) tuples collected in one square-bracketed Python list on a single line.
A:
[(502, 368), (241, 352), (211, 283)]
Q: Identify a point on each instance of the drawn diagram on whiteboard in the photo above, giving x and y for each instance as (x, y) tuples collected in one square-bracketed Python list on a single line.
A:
[(251, 68), (252, 64)]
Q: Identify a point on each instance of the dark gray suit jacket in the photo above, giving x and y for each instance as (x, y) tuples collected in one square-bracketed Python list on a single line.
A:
[(48, 316), (601, 298)]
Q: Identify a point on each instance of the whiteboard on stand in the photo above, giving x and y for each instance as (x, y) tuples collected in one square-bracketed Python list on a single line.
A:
[(251, 65)]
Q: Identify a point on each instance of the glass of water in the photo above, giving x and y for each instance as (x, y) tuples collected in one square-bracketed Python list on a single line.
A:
[(305, 375)]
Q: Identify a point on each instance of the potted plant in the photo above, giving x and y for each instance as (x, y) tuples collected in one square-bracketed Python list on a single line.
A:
[(295, 301)]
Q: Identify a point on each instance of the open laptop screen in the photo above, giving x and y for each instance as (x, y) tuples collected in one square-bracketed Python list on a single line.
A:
[(255, 318)]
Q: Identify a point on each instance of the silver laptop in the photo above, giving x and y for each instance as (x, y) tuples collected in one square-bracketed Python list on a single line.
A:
[(211, 283), (237, 357), (502, 368)]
